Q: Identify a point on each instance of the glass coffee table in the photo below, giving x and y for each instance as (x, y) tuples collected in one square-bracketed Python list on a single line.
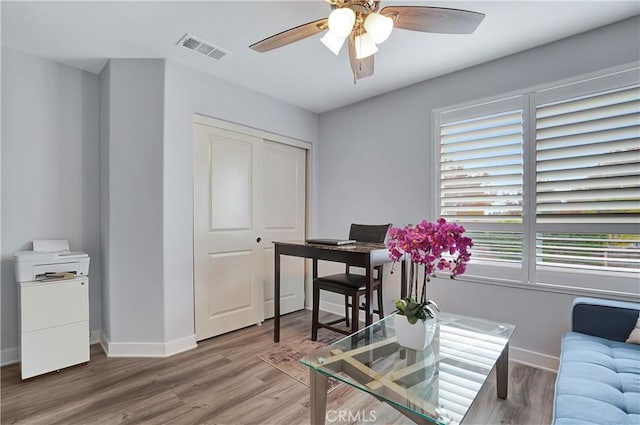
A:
[(436, 385)]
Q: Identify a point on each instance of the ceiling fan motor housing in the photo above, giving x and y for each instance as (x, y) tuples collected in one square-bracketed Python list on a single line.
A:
[(359, 6)]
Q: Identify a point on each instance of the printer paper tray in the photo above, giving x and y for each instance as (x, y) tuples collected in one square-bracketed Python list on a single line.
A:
[(42, 269)]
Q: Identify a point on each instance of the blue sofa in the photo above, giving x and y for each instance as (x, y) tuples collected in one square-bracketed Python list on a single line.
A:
[(599, 376)]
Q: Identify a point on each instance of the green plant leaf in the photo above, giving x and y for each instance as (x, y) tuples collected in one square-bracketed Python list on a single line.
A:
[(412, 309), (401, 305)]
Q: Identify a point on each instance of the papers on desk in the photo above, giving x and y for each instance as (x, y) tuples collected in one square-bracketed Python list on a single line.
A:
[(324, 241)]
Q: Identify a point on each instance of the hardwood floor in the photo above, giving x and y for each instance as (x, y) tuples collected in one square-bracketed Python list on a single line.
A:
[(224, 382)]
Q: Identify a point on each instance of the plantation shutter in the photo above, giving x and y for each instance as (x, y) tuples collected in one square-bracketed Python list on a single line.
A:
[(481, 177), (481, 168), (588, 159), (547, 183), (588, 180)]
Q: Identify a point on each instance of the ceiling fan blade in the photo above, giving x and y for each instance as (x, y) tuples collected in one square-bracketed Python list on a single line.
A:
[(361, 68), (434, 19), (290, 36)]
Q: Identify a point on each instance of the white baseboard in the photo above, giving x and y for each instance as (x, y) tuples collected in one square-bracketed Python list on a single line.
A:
[(9, 356), (534, 359), (338, 309), (147, 349), (332, 308), (517, 355), (180, 345)]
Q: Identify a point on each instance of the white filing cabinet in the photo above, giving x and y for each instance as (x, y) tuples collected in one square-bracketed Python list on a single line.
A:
[(54, 325)]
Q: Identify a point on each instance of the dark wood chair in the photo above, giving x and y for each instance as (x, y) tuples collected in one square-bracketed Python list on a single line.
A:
[(351, 285)]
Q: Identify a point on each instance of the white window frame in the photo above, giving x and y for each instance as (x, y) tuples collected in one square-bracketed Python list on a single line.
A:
[(529, 275)]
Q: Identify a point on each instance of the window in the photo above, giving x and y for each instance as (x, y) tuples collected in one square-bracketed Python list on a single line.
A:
[(548, 183)]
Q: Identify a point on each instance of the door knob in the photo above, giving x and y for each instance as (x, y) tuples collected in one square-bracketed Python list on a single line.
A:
[(259, 239)]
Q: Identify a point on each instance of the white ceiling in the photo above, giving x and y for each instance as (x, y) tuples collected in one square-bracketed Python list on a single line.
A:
[(306, 74)]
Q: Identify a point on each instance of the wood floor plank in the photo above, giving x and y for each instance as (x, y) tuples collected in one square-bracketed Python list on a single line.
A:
[(268, 406), (223, 382)]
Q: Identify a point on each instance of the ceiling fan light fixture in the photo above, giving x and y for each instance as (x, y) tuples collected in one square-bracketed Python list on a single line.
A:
[(365, 46), (366, 25), (341, 21), (378, 26), (333, 42)]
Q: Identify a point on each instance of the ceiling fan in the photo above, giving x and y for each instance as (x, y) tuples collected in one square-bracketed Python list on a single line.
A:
[(365, 25)]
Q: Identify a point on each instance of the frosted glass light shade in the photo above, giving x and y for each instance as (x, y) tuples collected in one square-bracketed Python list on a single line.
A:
[(341, 21), (333, 42), (378, 27), (365, 46)]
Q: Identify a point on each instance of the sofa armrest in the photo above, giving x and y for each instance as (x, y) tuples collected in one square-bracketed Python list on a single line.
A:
[(603, 318)]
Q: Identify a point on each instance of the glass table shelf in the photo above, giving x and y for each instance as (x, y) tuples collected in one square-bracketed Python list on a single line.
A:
[(435, 385)]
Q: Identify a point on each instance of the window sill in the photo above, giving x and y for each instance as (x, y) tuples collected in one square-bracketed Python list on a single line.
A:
[(551, 288)]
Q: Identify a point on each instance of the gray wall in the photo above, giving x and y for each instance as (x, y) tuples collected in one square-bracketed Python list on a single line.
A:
[(105, 107), (374, 157), (50, 177), (129, 194), (189, 92), (1, 136), (132, 181)]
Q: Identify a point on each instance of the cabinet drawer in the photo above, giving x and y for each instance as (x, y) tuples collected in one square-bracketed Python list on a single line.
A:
[(46, 305), (54, 348)]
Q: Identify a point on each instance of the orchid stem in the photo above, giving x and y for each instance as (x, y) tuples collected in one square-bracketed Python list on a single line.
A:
[(411, 279), (423, 298)]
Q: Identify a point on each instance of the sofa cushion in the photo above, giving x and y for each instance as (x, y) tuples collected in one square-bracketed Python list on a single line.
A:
[(598, 382)]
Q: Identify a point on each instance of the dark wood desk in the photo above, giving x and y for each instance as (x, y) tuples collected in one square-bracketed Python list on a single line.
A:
[(361, 254)]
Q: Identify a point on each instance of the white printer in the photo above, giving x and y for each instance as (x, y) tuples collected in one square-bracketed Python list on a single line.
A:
[(54, 307), (49, 256)]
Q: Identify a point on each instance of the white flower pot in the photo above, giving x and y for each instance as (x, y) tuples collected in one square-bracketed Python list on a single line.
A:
[(416, 336)]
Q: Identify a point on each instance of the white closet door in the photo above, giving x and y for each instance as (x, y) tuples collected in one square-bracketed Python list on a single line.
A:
[(284, 168), (227, 222), (244, 199)]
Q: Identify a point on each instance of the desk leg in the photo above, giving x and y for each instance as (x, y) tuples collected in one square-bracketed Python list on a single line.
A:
[(502, 373), (314, 269), (318, 407), (276, 295), (369, 290), (316, 302)]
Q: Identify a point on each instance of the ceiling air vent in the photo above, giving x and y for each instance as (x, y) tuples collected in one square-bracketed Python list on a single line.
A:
[(198, 45)]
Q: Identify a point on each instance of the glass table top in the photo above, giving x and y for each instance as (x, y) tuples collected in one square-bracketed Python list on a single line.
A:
[(438, 384)]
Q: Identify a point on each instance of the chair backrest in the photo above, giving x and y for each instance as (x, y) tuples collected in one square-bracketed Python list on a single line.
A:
[(374, 233), (369, 233)]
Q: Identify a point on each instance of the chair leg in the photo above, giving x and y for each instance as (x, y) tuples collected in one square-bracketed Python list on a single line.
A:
[(316, 312), (380, 308), (346, 310), (355, 312)]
